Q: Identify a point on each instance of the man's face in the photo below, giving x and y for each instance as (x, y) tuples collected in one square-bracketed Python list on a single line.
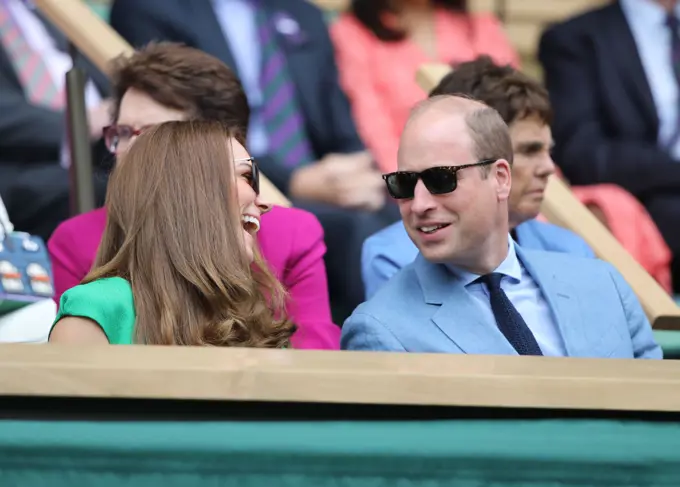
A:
[(532, 142), (138, 110), (452, 227)]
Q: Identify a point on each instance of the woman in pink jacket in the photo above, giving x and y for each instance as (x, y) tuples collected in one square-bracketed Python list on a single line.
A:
[(165, 82), (380, 44)]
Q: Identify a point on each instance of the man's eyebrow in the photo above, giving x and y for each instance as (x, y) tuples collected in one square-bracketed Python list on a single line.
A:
[(531, 146)]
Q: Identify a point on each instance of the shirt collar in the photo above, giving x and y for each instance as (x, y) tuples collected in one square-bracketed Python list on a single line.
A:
[(509, 267), (647, 12)]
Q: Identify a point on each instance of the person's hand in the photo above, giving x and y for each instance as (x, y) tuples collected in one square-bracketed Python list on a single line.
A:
[(345, 180), (99, 117)]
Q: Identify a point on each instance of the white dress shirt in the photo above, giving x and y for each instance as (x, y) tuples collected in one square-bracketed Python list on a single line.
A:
[(525, 296), (647, 21), (237, 18)]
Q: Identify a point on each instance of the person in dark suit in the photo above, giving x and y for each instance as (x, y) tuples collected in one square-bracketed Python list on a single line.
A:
[(301, 129), (33, 183), (615, 91)]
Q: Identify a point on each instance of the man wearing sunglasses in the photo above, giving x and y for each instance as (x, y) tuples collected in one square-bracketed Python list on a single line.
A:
[(472, 289), (524, 105)]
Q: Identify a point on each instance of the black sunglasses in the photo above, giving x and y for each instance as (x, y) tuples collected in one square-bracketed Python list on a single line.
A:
[(437, 180), (254, 173)]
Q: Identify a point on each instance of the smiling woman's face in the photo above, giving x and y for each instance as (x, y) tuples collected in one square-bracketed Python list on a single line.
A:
[(248, 199), (138, 110)]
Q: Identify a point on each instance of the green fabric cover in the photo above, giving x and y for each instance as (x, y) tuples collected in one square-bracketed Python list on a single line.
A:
[(548, 453), (108, 302), (669, 341)]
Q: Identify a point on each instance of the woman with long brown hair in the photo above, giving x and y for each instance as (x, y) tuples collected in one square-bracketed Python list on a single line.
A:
[(178, 263)]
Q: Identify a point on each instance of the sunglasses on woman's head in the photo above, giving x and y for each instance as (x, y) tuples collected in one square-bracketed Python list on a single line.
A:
[(437, 180)]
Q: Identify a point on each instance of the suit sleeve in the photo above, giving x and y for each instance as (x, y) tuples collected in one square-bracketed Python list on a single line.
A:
[(362, 331), (584, 151), (305, 280), (376, 266), (644, 345), (27, 132), (133, 21)]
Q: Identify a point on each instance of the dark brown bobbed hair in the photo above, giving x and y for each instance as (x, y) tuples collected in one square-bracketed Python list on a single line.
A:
[(183, 78), (511, 93), (371, 14), (174, 232)]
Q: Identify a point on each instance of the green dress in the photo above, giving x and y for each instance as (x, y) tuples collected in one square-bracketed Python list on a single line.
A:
[(107, 302)]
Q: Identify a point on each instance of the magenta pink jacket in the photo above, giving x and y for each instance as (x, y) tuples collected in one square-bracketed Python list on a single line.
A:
[(291, 241)]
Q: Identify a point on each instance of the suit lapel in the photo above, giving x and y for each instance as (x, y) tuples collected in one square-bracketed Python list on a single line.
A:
[(621, 46), (526, 236), (562, 299), (207, 32), (459, 316)]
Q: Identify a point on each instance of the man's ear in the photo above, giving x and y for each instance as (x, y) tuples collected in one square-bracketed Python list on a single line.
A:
[(503, 174)]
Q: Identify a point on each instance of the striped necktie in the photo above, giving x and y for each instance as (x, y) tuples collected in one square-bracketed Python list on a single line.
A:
[(673, 25), (32, 71), (281, 114)]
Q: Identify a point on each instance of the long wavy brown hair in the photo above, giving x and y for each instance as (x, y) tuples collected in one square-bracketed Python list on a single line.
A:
[(174, 232)]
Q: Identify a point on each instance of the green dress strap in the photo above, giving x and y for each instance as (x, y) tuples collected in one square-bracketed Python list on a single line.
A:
[(108, 302)]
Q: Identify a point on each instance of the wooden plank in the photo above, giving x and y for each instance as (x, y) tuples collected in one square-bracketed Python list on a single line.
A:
[(100, 44), (233, 374), (562, 208), (333, 5), (524, 36), (546, 11)]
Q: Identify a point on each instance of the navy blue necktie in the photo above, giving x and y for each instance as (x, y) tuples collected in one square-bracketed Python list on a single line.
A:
[(508, 319)]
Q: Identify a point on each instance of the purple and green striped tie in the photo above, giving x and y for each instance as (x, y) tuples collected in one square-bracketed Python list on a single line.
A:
[(281, 114), (673, 25)]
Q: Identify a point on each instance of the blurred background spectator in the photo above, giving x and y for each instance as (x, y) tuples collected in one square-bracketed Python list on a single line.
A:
[(614, 80), (380, 45), (33, 65)]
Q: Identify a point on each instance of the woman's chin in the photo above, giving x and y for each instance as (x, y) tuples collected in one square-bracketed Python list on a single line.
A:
[(249, 244)]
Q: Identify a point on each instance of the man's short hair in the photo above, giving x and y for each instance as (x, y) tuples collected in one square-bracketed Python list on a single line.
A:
[(490, 136), (487, 129), (511, 93), (185, 79)]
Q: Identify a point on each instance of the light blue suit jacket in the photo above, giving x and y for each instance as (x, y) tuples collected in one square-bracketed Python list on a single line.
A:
[(387, 251), (424, 309)]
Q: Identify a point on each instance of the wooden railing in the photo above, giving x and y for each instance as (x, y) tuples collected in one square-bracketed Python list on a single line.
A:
[(101, 44), (562, 208), (233, 374)]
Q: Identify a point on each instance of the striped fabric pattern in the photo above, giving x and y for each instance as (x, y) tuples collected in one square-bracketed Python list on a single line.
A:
[(35, 79), (288, 141)]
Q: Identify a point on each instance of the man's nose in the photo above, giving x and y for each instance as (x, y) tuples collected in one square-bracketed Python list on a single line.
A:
[(546, 166), (423, 200)]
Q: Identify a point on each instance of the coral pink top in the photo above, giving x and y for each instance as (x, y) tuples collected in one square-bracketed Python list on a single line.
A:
[(380, 77), (291, 241)]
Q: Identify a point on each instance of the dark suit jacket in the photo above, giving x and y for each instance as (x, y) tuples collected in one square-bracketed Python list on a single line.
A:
[(30, 133), (325, 107), (606, 123)]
